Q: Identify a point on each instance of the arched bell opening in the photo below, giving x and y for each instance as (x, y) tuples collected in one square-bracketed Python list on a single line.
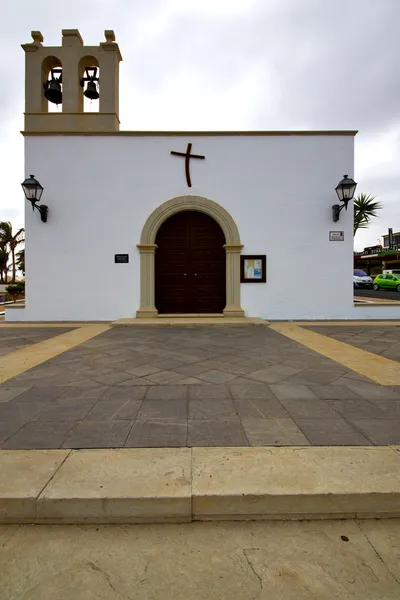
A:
[(52, 84), (89, 79)]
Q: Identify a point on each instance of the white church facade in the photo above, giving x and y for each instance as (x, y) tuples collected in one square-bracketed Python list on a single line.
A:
[(147, 223)]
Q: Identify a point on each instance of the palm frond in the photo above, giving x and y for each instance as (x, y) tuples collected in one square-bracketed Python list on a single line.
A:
[(366, 207)]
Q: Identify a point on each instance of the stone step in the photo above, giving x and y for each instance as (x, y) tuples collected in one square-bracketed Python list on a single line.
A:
[(161, 485), (189, 321), (191, 316)]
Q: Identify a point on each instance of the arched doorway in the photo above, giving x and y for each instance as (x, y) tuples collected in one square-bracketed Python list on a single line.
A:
[(147, 249), (190, 265)]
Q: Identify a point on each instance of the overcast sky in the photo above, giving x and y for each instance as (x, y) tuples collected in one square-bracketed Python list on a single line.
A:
[(230, 64)]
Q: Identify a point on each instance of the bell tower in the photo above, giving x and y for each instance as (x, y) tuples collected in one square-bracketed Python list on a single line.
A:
[(63, 75)]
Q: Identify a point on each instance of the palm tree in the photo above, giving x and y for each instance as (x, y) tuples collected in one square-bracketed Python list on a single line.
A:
[(10, 241), (3, 263), (21, 260), (365, 208)]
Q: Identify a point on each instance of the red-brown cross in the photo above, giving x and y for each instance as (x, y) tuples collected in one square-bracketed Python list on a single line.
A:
[(187, 156)]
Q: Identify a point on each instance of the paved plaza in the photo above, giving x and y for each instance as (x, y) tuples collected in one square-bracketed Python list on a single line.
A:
[(196, 386)]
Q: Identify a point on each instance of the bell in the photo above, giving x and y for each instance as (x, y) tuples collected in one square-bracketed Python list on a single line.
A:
[(53, 92), (91, 91)]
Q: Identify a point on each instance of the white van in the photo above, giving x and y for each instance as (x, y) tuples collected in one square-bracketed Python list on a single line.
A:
[(392, 272)]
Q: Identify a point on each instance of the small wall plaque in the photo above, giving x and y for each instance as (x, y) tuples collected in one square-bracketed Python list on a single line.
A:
[(253, 268), (121, 258), (336, 236)]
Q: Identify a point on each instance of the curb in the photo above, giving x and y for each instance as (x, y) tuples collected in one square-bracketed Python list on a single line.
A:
[(164, 485)]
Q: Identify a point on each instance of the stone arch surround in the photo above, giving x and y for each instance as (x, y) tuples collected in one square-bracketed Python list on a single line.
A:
[(147, 248)]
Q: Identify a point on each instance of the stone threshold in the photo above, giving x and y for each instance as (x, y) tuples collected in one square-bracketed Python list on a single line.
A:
[(163, 485), (188, 321)]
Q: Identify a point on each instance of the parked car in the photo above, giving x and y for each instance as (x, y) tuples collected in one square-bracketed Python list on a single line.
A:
[(386, 281), (361, 279)]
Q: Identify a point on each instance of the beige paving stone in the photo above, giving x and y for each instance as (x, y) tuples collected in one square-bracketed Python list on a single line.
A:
[(202, 561), (324, 482), (125, 485), (23, 475), (385, 539)]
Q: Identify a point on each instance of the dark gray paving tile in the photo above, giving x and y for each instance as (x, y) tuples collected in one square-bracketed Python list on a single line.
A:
[(162, 409), (129, 410), (99, 434), (380, 431), (250, 390), (273, 432), (125, 393), (20, 411), (112, 378), (239, 370), (357, 408), (202, 408), (188, 359), (274, 373), (390, 408), (136, 381), (158, 433), (215, 376), (333, 392), (41, 394), (165, 377), (66, 410), (292, 392), (316, 377), (167, 392), (221, 431), (259, 408), (369, 391), (167, 364), (331, 432), (357, 377), (80, 392), (191, 370), (8, 428), (309, 408), (143, 370), (36, 435), (9, 393), (106, 410), (209, 391)]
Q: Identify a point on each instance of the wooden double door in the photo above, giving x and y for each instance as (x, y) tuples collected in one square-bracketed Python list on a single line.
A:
[(190, 265)]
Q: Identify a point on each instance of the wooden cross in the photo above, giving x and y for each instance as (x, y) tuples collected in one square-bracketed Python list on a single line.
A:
[(187, 156)]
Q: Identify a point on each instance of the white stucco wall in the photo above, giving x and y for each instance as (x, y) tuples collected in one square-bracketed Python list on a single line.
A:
[(101, 189)]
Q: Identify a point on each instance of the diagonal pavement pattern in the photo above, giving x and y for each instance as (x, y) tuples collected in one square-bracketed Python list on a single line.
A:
[(95, 387)]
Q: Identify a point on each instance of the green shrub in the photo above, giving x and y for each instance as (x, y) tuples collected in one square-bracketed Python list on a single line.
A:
[(16, 289)]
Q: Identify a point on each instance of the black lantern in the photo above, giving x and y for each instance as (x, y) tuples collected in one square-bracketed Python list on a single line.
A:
[(91, 79), (345, 191), (52, 87), (33, 192)]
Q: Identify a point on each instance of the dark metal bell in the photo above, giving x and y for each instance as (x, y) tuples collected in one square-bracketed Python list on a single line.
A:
[(53, 92), (91, 91)]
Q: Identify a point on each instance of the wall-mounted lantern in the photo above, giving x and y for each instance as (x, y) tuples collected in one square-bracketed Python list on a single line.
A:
[(33, 192), (345, 190)]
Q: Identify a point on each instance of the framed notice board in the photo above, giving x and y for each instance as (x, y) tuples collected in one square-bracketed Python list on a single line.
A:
[(253, 268)]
